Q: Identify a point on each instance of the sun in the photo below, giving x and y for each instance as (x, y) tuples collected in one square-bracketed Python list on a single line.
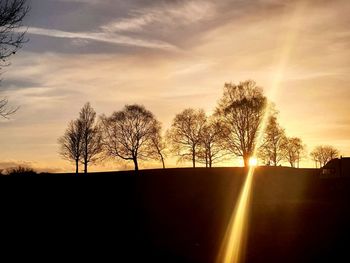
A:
[(253, 161)]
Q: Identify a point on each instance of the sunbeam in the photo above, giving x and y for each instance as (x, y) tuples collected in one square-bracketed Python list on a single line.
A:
[(232, 249)]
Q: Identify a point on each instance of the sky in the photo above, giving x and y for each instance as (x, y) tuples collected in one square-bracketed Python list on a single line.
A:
[(171, 55)]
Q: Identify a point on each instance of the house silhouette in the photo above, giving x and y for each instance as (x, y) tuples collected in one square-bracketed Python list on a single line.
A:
[(339, 167)]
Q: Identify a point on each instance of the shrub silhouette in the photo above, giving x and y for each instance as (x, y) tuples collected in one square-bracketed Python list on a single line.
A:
[(20, 171)]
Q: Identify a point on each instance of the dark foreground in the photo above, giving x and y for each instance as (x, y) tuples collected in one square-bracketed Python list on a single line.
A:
[(181, 215)]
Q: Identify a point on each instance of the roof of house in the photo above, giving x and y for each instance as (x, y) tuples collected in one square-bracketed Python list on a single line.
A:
[(334, 162)]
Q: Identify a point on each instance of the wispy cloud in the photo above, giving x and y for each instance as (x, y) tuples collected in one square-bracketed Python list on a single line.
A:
[(14, 163), (174, 14), (111, 38), (82, 1)]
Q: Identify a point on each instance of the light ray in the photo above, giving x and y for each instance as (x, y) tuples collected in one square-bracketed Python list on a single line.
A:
[(232, 249)]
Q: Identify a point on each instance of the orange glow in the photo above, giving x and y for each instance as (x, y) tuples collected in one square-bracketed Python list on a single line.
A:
[(253, 161)]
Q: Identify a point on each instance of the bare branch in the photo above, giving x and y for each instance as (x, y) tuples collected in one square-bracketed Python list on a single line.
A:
[(185, 134), (12, 13), (271, 150), (132, 134), (241, 109), (92, 146), (5, 110), (322, 154)]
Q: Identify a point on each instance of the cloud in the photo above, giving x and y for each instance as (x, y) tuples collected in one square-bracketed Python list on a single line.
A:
[(82, 1), (111, 38), (11, 164), (133, 24), (178, 14)]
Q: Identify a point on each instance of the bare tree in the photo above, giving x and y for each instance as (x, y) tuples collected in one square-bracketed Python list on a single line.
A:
[(159, 149), (130, 134), (212, 143), (185, 134), (71, 146), (12, 13), (5, 109), (314, 157), (322, 154), (294, 150), (241, 109), (91, 137), (20, 171), (271, 149)]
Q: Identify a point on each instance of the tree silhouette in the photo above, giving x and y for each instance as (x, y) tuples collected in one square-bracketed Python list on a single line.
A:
[(185, 134), (212, 142), (159, 145), (12, 13), (5, 109), (20, 171), (91, 137), (241, 109), (272, 150), (322, 154), (71, 143), (130, 134), (293, 151)]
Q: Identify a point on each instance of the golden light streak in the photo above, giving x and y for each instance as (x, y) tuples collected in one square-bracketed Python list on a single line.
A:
[(232, 249), (233, 244)]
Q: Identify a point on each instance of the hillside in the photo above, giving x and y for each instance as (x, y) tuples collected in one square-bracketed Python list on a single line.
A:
[(180, 215)]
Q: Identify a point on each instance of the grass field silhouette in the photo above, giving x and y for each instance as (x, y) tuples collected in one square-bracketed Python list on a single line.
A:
[(181, 215)]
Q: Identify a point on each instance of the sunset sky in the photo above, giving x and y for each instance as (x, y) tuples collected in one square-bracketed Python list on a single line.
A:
[(170, 55)]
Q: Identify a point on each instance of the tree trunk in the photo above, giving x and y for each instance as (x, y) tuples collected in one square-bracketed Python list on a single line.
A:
[(194, 158), (162, 161), (86, 154), (206, 159), (246, 160), (85, 167), (136, 164), (209, 156), (77, 166)]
